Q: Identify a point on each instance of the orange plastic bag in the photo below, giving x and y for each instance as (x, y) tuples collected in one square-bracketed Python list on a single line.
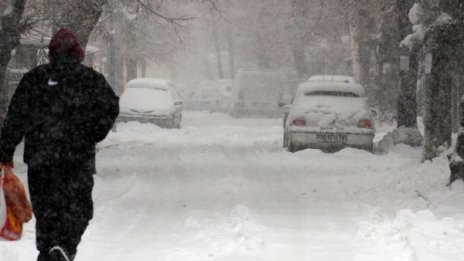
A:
[(16, 205)]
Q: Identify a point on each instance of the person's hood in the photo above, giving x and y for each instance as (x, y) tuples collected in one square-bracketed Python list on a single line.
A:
[(64, 52)]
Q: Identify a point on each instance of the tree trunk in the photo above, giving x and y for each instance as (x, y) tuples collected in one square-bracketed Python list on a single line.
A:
[(407, 103), (143, 67), (299, 58), (130, 50), (119, 63), (217, 48), (299, 13), (119, 60), (261, 52), (455, 100), (442, 50), (261, 43), (407, 100), (455, 8), (9, 35), (360, 50), (231, 50), (131, 68), (435, 63)]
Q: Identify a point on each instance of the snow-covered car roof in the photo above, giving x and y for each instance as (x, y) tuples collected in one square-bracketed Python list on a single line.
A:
[(145, 100), (150, 83), (333, 78), (333, 86)]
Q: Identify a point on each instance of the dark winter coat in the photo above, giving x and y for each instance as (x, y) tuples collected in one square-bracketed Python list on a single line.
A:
[(62, 110)]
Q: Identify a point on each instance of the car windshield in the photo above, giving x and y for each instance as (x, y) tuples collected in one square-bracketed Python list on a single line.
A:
[(331, 93)]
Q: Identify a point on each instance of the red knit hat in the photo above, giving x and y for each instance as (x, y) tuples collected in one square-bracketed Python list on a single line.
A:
[(65, 41)]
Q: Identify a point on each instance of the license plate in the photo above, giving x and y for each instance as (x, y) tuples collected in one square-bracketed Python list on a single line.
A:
[(332, 138)]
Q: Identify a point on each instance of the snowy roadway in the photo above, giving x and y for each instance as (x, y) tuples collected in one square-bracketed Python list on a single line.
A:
[(224, 189)]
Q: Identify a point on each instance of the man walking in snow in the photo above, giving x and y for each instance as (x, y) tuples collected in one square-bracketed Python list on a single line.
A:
[(61, 109)]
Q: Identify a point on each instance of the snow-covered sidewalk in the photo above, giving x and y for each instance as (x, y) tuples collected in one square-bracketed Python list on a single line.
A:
[(225, 189)]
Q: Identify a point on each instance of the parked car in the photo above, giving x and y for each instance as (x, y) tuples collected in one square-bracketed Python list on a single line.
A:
[(256, 93), (151, 100), (212, 95), (328, 115)]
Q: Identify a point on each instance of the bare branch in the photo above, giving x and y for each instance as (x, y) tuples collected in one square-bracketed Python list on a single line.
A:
[(172, 20), (213, 4)]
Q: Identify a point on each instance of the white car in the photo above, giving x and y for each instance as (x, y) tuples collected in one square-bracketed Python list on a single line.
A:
[(151, 100), (328, 115)]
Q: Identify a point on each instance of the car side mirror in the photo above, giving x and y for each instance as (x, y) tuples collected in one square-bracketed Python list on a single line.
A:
[(374, 111)]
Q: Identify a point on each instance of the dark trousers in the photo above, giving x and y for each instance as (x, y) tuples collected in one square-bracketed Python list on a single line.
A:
[(61, 197)]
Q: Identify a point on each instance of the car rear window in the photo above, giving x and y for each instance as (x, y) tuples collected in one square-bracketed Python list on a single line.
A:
[(331, 93)]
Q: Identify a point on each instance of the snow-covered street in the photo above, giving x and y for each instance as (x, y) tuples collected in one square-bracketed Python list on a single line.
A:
[(224, 189)]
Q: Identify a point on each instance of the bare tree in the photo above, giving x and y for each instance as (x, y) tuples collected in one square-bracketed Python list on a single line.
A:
[(131, 13), (217, 46), (407, 100), (300, 12), (10, 35), (434, 33), (360, 42), (231, 51), (388, 58), (79, 16)]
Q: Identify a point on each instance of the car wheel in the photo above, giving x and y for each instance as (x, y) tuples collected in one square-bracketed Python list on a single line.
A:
[(285, 141), (292, 147)]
